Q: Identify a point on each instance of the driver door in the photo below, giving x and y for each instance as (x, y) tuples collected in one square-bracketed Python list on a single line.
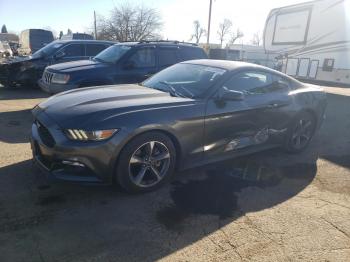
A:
[(70, 52), (239, 125), (138, 66)]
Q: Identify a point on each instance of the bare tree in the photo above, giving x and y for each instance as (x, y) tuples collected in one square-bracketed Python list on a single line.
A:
[(257, 39), (198, 31), (224, 30), (130, 23), (235, 36)]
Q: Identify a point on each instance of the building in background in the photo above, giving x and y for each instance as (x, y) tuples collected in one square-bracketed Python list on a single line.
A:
[(246, 53), (311, 40)]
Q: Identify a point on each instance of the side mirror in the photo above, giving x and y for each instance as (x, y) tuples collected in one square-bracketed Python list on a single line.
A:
[(231, 95), (128, 65)]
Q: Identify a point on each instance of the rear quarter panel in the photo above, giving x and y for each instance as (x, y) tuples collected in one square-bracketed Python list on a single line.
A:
[(310, 98)]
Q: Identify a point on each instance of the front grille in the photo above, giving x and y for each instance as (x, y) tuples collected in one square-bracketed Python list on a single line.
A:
[(45, 135), (47, 77)]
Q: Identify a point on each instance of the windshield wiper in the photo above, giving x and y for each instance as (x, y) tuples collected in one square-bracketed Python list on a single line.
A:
[(187, 91), (171, 89)]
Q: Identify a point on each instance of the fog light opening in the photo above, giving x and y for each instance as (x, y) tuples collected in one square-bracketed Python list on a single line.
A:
[(72, 163)]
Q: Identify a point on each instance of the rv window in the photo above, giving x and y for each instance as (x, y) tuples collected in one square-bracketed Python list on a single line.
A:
[(328, 64)]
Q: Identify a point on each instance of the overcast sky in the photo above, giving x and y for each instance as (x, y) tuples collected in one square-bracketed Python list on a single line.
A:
[(177, 15)]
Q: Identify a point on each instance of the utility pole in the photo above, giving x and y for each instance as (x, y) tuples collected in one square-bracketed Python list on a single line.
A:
[(95, 25), (209, 20)]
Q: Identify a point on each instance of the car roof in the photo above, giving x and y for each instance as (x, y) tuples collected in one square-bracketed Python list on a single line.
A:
[(160, 42), (229, 65), (84, 41), (224, 64), (236, 65)]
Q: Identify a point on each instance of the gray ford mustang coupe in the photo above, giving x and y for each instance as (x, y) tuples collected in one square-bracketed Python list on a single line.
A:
[(189, 114)]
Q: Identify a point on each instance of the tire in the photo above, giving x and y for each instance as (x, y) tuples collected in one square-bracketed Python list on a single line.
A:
[(140, 171), (300, 133)]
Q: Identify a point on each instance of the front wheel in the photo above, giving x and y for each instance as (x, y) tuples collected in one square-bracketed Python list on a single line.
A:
[(301, 132), (146, 162)]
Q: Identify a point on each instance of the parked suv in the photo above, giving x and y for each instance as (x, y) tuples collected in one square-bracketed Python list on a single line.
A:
[(27, 70), (121, 63)]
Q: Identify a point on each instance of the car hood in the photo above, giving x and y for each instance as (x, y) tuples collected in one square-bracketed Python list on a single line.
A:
[(76, 66), (81, 107), (18, 59)]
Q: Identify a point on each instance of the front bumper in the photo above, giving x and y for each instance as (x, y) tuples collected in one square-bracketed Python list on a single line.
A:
[(63, 159), (55, 88)]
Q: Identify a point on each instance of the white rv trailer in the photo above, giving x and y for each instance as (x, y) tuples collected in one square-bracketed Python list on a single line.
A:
[(312, 40)]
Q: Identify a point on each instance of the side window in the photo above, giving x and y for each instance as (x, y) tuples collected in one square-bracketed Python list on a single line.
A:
[(190, 53), (143, 58), (167, 56), (74, 50), (94, 49), (282, 84), (250, 82)]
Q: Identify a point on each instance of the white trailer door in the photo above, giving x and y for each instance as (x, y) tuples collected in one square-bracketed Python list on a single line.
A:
[(313, 69), (303, 67), (292, 66)]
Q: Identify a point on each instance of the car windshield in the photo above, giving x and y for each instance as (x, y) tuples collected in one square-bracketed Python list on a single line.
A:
[(185, 80), (47, 50), (112, 53)]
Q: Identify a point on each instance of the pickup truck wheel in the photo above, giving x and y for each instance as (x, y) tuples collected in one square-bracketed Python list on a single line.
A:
[(146, 163)]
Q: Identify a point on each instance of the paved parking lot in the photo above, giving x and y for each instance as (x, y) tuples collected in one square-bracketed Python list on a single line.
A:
[(267, 207)]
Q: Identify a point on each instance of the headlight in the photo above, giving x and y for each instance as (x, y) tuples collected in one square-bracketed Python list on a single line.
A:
[(60, 78), (82, 135)]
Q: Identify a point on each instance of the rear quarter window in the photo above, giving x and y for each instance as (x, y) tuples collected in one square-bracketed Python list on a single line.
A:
[(94, 49), (167, 56), (191, 53), (285, 81), (74, 50)]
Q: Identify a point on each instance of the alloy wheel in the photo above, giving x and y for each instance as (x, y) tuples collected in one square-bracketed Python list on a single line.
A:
[(302, 133), (149, 164)]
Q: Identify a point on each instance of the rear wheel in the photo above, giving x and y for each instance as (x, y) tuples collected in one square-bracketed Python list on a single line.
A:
[(146, 162), (301, 132)]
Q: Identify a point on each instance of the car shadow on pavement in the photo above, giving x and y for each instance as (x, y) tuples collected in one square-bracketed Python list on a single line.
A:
[(78, 223), (21, 93), (15, 126), (233, 188)]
